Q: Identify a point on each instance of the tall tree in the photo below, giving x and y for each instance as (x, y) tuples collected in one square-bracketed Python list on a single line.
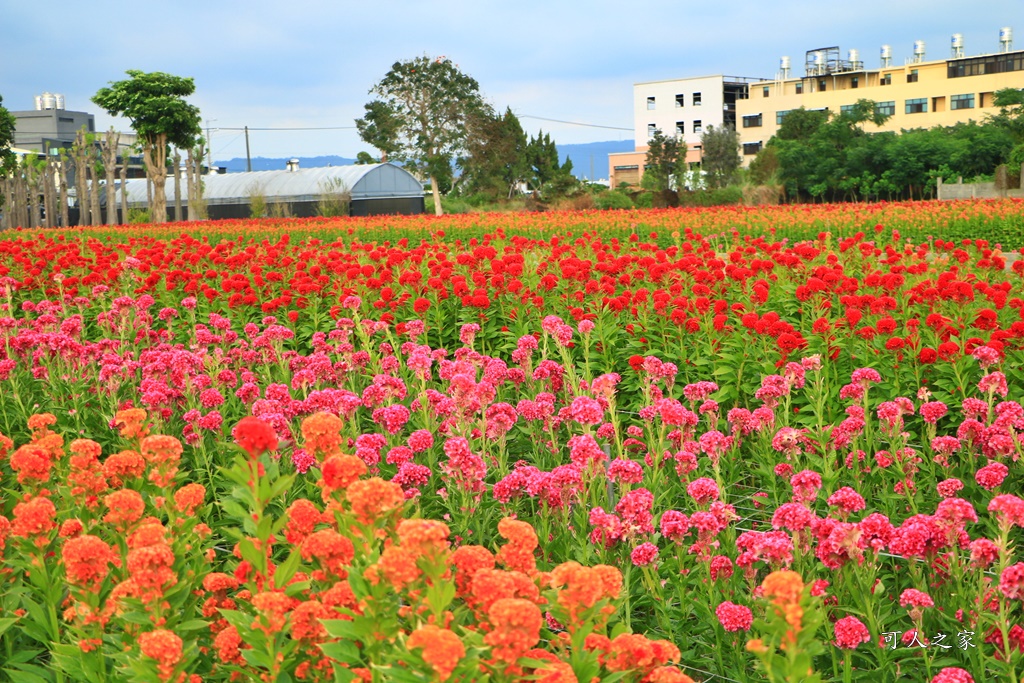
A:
[(155, 104), (665, 161), (720, 156), (544, 168), (420, 116), (495, 161)]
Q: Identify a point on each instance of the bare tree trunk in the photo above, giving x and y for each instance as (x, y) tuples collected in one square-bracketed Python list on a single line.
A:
[(96, 217), (124, 186), (110, 167), (155, 158), (438, 211), (48, 203), (62, 173), (81, 186), (176, 160), (5, 214)]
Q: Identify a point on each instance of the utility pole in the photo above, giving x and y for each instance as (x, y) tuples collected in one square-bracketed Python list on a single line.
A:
[(248, 159)]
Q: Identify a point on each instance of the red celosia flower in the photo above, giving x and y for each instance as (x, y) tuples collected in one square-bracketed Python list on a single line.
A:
[(303, 516), (953, 674), (734, 617), (1011, 582), (333, 551), (255, 436), (850, 632)]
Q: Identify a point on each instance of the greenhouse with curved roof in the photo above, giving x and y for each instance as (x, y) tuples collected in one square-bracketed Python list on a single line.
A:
[(360, 190)]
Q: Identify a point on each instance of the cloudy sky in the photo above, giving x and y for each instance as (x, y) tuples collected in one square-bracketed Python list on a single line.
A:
[(310, 63)]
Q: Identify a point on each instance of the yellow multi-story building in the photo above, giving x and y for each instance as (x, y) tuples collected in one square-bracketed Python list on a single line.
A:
[(916, 94)]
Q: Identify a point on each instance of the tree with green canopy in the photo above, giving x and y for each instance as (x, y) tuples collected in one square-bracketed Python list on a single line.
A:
[(496, 160), (7, 159), (666, 159), (720, 155), (544, 169), (156, 106), (419, 118)]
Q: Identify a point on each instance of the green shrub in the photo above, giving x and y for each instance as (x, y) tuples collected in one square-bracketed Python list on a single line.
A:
[(613, 200), (644, 200)]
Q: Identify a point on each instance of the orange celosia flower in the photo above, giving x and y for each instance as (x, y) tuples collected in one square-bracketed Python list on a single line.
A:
[(371, 498), (131, 422), (217, 582), (398, 566), (516, 627), (69, 528), (148, 533), (783, 586), (635, 652), (85, 561), (424, 537), (273, 608), (163, 453), (490, 585), (6, 446), (580, 588), (125, 507), (305, 621), (32, 464), (321, 433), (40, 424), (150, 568), (338, 472), (163, 646), (555, 672), (303, 516), (667, 674), (228, 645), (467, 560), (86, 474), (123, 466), (5, 531), (442, 649), (338, 596), (333, 551), (34, 519), (517, 554), (189, 497), (52, 444)]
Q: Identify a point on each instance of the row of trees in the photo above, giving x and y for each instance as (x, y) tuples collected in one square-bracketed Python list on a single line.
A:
[(822, 155), (433, 119), (168, 131), (665, 167)]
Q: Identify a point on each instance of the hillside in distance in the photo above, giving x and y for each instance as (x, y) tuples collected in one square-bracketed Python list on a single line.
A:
[(589, 160)]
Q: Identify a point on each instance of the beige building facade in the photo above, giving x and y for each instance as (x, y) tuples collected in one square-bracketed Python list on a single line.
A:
[(682, 108), (916, 94)]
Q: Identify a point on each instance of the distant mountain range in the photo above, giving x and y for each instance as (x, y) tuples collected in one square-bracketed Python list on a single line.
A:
[(589, 160)]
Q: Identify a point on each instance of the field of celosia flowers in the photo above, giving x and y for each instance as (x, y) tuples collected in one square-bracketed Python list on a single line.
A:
[(744, 445)]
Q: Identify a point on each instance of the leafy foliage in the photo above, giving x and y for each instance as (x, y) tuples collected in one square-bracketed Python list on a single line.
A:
[(496, 160), (720, 157), (155, 104), (666, 159)]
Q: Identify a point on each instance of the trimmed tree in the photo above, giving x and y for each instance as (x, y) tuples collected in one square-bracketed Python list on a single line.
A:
[(721, 158), (666, 159), (155, 104), (419, 118), (7, 160)]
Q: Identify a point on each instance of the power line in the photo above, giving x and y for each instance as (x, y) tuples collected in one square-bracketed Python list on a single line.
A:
[(574, 123), (292, 128)]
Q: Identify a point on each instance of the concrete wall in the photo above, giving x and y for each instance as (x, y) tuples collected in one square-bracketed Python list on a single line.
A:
[(962, 190)]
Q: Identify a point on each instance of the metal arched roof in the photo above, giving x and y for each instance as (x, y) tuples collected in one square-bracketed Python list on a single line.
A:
[(366, 181)]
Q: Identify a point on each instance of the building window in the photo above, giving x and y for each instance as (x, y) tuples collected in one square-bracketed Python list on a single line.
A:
[(917, 106), (885, 108), (750, 148), (962, 101), (680, 128), (912, 76), (764, 91), (990, 64), (695, 99), (985, 99), (821, 84), (752, 121), (800, 88), (780, 115), (680, 100), (855, 82), (652, 129), (697, 148), (65, 119), (847, 108), (634, 167), (886, 80), (650, 103), (697, 128)]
